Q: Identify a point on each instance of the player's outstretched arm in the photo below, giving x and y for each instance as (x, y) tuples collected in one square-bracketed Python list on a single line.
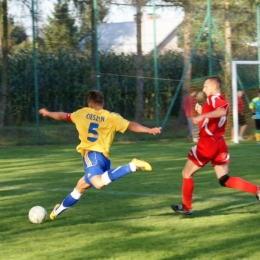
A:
[(137, 128), (60, 116)]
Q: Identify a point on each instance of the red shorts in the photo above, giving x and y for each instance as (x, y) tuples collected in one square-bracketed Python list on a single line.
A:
[(209, 149)]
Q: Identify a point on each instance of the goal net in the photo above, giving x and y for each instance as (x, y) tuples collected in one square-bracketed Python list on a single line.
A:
[(245, 77)]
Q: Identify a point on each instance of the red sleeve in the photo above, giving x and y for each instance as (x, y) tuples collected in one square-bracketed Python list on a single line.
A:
[(68, 117), (221, 103), (240, 105)]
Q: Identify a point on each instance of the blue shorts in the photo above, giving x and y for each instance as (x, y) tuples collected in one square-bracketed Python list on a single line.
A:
[(94, 163)]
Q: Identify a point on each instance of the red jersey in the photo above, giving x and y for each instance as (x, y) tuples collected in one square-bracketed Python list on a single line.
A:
[(240, 105), (214, 127)]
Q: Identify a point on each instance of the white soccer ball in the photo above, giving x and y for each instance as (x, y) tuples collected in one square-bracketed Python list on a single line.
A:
[(37, 214)]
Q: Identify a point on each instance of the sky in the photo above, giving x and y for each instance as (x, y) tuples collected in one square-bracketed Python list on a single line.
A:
[(117, 13)]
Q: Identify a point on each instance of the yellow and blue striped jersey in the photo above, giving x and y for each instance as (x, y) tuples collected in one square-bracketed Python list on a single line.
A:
[(97, 129)]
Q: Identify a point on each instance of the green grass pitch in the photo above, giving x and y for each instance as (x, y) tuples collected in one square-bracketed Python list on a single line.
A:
[(130, 218)]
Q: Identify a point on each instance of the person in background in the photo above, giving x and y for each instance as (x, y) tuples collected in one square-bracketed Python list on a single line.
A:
[(97, 127), (189, 104), (211, 147), (254, 106), (241, 117)]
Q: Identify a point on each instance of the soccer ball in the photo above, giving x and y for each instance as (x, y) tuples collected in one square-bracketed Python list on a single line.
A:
[(200, 96), (37, 214)]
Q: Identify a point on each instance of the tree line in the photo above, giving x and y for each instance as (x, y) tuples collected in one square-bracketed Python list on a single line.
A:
[(64, 81), (236, 26)]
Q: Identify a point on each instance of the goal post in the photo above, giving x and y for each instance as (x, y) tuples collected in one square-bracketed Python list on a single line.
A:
[(235, 80)]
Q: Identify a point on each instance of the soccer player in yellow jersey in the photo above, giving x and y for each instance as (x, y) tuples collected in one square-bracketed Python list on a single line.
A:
[(97, 127)]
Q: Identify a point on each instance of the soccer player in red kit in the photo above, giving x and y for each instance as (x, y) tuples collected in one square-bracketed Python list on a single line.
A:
[(211, 147)]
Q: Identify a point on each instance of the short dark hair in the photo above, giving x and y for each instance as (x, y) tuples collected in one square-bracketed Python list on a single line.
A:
[(96, 96), (215, 79)]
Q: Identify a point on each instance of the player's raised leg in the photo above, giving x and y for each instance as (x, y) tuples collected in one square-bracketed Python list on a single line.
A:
[(120, 171), (91, 178), (234, 182)]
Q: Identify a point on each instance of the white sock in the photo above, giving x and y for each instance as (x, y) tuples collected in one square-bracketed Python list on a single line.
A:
[(58, 210), (132, 167), (105, 178), (75, 194)]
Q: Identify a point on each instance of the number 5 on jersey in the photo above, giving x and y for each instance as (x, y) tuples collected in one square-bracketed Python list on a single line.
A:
[(92, 130)]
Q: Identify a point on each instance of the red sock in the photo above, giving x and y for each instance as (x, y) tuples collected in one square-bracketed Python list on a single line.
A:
[(186, 190), (240, 184)]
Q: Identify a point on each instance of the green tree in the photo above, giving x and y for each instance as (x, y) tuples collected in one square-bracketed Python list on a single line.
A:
[(190, 9), (5, 47), (87, 28), (139, 110), (4, 42), (61, 31), (15, 32), (235, 28), (18, 35)]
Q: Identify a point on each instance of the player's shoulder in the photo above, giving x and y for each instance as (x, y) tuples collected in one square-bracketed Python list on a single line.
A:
[(255, 99), (215, 97), (112, 113), (116, 118), (115, 114), (81, 109), (217, 100)]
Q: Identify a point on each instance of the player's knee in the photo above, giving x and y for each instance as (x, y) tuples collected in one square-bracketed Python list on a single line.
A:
[(223, 180), (98, 185), (186, 173), (97, 182)]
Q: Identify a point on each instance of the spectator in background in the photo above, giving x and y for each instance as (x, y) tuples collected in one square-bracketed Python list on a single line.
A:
[(255, 108), (189, 104), (241, 117)]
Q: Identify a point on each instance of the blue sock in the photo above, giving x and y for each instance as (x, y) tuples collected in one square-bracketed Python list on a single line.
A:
[(120, 171), (69, 201)]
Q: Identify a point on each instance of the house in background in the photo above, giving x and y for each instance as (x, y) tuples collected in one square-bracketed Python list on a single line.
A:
[(121, 37)]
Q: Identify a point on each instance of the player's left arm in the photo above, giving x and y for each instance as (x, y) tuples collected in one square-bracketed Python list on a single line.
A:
[(137, 128), (59, 116), (219, 112)]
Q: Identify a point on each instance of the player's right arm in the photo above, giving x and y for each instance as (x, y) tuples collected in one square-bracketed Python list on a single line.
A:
[(121, 125), (59, 116), (217, 113)]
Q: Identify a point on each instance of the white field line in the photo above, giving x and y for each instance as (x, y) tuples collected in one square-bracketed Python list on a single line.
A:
[(138, 194)]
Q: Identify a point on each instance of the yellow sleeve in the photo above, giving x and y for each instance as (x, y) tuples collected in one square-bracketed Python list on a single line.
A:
[(120, 123), (252, 103), (74, 115)]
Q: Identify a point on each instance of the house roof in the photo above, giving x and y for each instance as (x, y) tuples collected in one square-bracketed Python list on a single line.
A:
[(121, 37)]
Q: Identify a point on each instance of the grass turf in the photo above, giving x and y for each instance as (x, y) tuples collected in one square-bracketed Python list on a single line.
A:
[(131, 217)]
